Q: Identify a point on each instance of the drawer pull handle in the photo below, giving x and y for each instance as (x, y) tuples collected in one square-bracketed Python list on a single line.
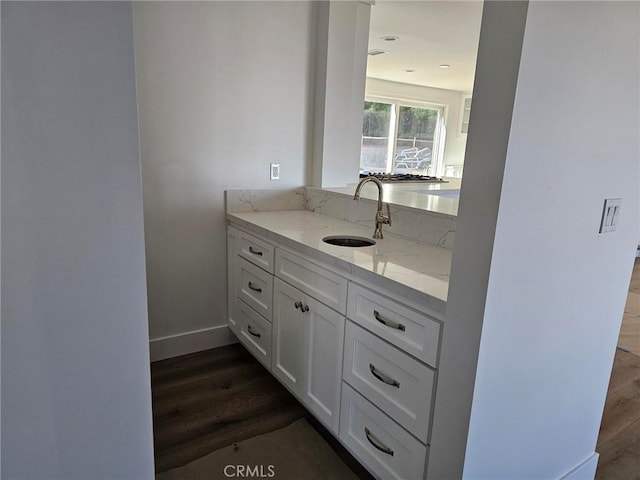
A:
[(382, 377), (255, 289), (387, 322), (252, 332), (298, 304), (377, 443), (255, 252)]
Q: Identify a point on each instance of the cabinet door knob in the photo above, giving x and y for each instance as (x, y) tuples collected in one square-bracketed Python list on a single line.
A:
[(301, 306), (255, 252), (377, 443), (382, 377), (255, 289), (252, 332), (387, 322)]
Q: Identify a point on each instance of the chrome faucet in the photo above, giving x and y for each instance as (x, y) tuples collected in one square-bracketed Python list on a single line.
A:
[(381, 218)]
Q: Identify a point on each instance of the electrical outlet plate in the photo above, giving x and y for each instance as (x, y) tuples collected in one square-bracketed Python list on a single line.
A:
[(275, 171), (610, 215)]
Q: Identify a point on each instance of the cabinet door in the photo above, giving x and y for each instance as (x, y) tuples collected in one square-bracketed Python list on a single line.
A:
[(323, 336), (288, 341), (233, 239), (307, 351)]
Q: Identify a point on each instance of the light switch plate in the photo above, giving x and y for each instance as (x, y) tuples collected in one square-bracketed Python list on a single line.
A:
[(610, 214), (275, 171)]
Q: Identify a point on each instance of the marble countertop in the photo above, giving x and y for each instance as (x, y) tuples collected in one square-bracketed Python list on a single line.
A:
[(417, 271), (436, 198)]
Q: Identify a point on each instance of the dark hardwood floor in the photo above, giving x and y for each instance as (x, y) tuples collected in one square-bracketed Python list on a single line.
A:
[(208, 400), (211, 399)]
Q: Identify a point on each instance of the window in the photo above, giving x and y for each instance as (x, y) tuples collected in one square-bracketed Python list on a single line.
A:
[(401, 138), (466, 113), (375, 136)]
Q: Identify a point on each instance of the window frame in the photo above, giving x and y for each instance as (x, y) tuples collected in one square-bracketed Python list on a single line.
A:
[(439, 135)]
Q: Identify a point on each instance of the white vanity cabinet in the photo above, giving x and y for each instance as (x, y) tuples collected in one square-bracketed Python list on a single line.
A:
[(391, 353), (296, 306), (249, 300), (363, 360)]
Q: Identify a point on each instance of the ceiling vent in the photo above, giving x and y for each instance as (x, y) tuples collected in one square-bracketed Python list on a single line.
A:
[(377, 51)]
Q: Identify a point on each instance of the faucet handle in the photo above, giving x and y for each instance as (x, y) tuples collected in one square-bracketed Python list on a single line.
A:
[(382, 218)]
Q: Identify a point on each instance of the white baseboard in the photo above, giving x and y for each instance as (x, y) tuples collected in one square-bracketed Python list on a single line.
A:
[(190, 342), (585, 470)]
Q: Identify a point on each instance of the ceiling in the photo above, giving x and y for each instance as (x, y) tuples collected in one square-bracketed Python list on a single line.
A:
[(431, 33)]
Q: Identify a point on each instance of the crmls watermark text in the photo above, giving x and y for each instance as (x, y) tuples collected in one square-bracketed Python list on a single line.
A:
[(249, 471)]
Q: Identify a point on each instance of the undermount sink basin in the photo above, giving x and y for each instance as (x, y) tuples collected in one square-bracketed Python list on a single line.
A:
[(348, 241)]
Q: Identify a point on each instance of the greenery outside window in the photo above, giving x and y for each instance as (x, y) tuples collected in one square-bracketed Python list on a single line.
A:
[(402, 138)]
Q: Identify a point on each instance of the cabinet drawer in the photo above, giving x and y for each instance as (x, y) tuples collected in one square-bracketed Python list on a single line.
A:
[(399, 385), (256, 251), (255, 333), (413, 332), (381, 444), (255, 287), (312, 279)]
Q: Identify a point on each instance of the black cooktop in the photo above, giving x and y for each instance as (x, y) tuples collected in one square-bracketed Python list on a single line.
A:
[(402, 177)]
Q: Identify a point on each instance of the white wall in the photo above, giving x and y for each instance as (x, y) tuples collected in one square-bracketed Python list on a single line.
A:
[(76, 395), (224, 88), (555, 288), (339, 82), (455, 142), (499, 50)]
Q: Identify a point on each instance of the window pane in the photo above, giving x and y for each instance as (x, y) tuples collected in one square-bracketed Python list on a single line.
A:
[(375, 136), (414, 140)]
